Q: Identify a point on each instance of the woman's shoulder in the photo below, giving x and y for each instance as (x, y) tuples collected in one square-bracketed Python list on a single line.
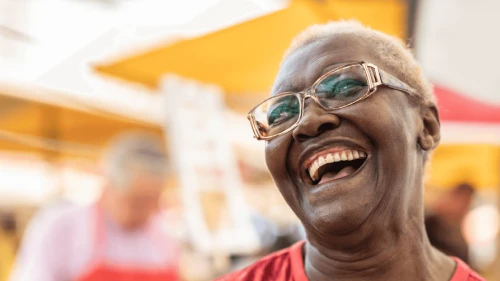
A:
[(278, 266)]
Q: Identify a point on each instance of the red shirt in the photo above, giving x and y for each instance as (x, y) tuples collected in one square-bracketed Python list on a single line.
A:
[(287, 265)]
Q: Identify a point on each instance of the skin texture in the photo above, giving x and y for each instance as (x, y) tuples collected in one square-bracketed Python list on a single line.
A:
[(131, 208), (369, 225)]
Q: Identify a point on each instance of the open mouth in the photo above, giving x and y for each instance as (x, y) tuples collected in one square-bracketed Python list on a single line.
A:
[(335, 165)]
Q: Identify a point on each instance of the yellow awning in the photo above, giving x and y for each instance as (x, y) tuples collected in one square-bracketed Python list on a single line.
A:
[(244, 58), (475, 164), (57, 131)]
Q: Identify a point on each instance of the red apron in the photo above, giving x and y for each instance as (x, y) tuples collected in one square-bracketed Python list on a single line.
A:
[(101, 270)]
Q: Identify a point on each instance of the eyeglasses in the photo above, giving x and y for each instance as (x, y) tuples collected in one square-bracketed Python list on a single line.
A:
[(336, 89)]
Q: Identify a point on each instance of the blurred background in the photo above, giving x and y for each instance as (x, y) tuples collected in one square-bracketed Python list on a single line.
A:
[(75, 74)]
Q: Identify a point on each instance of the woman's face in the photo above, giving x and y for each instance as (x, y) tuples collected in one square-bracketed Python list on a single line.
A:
[(386, 126)]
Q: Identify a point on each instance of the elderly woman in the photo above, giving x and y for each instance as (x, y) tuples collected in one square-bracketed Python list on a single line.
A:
[(349, 127)]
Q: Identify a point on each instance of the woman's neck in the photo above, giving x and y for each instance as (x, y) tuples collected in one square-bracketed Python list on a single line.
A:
[(381, 254)]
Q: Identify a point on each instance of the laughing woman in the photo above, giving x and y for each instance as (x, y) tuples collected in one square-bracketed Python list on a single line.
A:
[(349, 127)]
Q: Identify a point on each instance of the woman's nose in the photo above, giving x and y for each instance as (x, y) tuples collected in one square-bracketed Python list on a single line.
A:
[(315, 121)]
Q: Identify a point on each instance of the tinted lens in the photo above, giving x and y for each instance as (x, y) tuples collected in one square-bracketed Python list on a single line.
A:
[(342, 87), (277, 114)]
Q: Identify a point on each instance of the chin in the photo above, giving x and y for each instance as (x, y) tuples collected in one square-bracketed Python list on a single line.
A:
[(338, 218)]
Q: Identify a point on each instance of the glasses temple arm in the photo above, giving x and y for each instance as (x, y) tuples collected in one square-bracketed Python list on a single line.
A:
[(394, 83)]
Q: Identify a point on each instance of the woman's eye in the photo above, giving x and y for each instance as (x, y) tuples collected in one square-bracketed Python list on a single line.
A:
[(348, 86), (282, 113), (343, 87)]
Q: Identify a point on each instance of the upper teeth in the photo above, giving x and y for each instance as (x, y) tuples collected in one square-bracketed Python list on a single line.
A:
[(346, 155)]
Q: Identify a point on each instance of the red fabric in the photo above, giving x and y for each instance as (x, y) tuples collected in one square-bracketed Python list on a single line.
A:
[(456, 107), (464, 273), (103, 271), (288, 265)]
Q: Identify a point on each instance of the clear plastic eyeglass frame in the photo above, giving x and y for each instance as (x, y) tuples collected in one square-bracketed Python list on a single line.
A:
[(375, 77)]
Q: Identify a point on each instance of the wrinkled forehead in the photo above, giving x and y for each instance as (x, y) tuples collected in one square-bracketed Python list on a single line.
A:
[(306, 64)]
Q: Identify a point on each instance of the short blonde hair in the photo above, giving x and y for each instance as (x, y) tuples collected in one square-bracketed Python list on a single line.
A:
[(392, 50)]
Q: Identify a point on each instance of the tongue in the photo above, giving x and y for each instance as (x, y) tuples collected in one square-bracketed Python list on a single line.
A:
[(333, 175)]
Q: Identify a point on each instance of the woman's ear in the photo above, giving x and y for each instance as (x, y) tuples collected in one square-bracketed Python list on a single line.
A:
[(430, 134)]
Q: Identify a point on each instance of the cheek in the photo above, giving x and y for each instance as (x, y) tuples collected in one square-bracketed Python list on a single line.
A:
[(389, 121), (392, 128), (277, 153)]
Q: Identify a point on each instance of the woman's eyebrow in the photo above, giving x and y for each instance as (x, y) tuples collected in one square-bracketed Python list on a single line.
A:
[(335, 65), (285, 86)]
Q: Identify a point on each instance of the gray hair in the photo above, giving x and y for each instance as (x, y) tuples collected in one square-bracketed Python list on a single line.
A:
[(131, 154), (391, 50)]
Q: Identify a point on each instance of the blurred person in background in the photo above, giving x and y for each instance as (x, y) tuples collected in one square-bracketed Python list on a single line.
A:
[(444, 221), (349, 127), (118, 238), (8, 243)]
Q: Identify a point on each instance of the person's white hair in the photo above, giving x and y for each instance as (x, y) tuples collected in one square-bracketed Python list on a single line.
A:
[(390, 49), (133, 153)]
